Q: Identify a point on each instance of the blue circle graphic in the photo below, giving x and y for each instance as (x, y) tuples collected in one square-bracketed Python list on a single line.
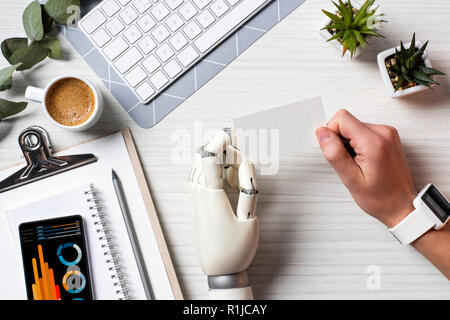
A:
[(69, 245)]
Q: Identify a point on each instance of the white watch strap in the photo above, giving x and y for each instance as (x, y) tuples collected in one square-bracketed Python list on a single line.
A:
[(412, 227)]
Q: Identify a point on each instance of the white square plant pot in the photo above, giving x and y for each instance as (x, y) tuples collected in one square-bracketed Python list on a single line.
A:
[(337, 44), (381, 58)]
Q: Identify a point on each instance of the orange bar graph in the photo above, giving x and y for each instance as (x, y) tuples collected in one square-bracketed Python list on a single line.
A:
[(36, 280), (44, 287), (51, 282)]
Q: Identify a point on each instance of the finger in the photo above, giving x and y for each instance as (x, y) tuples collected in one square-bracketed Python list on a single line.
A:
[(231, 176), (248, 195), (207, 170), (348, 126), (337, 155), (233, 157), (219, 142), (387, 132), (209, 160)]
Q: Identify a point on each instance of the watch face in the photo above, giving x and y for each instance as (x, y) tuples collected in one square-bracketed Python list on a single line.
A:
[(437, 203)]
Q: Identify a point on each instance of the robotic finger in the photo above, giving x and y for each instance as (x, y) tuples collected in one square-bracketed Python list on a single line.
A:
[(248, 195)]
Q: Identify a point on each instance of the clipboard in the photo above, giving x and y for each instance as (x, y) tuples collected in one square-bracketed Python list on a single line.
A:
[(145, 194)]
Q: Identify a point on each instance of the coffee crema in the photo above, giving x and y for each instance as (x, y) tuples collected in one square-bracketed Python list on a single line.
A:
[(70, 101)]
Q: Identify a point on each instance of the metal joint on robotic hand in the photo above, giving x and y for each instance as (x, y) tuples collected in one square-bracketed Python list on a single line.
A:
[(229, 281), (253, 191), (204, 153)]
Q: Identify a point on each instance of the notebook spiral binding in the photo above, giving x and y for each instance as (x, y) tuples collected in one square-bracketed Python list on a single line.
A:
[(110, 253)]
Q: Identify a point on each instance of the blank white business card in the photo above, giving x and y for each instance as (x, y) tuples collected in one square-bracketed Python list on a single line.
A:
[(290, 128)]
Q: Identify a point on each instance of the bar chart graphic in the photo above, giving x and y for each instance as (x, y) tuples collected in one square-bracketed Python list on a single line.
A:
[(44, 287)]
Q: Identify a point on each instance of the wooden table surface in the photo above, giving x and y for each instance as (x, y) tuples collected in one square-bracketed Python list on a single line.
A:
[(315, 242)]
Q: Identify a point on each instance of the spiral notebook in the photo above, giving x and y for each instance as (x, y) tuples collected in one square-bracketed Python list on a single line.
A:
[(109, 269), (65, 195)]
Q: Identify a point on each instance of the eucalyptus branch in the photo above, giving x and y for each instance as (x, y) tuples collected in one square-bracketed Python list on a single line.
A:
[(39, 20)]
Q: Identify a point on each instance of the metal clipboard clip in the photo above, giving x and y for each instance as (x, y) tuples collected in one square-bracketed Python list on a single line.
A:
[(37, 150)]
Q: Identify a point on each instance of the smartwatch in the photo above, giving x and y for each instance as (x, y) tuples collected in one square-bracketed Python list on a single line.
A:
[(432, 210)]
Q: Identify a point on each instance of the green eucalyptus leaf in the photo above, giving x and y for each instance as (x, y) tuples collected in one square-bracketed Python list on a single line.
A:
[(32, 21), (6, 76), (9, 46), (29, 56), (47, 21), (52, 44), (10, 108), (57, 9)]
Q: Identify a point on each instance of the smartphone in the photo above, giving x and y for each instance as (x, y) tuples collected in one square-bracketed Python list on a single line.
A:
[(55, 259)]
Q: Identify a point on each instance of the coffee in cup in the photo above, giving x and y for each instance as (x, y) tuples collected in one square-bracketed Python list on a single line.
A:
[(70, 102)]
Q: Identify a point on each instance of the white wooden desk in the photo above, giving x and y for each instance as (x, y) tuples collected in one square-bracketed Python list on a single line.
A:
[(315, 242)]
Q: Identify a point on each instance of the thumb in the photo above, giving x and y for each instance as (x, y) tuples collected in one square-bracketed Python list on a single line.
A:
[(337, 155)]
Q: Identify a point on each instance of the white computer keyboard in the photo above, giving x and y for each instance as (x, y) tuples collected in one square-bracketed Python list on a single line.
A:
[(150, 43)]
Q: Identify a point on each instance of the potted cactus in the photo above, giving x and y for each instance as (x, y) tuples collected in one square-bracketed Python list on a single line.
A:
[(407, 69), (352, 26)]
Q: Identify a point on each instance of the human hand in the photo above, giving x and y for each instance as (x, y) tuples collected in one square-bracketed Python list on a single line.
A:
[(378, 176)]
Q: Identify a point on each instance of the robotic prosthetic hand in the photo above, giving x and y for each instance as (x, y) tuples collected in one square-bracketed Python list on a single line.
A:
[(227, 240)]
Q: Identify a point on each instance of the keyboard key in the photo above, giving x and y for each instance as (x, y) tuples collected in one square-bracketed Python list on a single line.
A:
[(93, 21), (178, 41), (188, 11), (201, 3), (142, 5), (172, 68), (132, 34), (159, 80), (124, 2), (129, 59), (187, 56), (135, 76), (146, 23), (101, 37), (160, 33), (128, 15), (151, 64), (219, 8), (219, 30), (206, 18), (115, 26), (192, 30), (160, 11), (174, 22), (145, 91), (173, 4), (110, 7), (165, 52), (115, 48), (147, 44)]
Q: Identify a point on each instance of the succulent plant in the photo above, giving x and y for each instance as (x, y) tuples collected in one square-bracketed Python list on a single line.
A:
[(351, 26), (409, 66)]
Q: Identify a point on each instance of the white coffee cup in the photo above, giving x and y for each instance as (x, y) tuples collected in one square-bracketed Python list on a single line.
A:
[(40, 95)]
